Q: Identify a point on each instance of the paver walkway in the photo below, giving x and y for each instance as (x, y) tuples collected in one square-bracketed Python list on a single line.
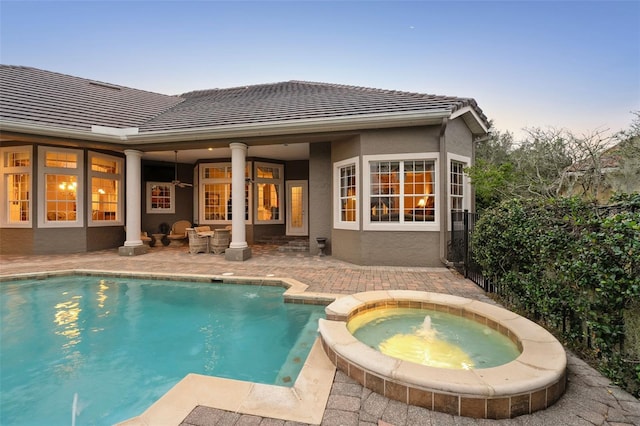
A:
[(590, 398)]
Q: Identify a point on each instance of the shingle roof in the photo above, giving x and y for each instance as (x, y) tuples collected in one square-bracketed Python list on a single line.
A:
[(294, 100), (42, 97), (48, 98)]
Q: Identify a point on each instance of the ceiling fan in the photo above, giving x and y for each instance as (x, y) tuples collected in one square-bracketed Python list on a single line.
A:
[(175, 180)]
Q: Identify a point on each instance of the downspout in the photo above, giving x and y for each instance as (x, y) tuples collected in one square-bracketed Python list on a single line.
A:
[(444, 216)]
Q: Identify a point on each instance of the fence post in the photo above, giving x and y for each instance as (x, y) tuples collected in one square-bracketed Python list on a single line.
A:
[(466, 243)]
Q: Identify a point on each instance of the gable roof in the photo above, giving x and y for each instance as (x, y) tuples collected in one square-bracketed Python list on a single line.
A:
[(30, 96)]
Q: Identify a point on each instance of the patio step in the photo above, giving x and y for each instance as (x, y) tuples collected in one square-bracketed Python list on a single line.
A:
[(297, 245)]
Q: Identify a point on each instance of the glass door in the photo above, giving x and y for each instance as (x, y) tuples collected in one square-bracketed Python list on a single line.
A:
[(297, 222)]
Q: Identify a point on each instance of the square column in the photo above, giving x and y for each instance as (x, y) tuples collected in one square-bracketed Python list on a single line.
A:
[(238, 250)]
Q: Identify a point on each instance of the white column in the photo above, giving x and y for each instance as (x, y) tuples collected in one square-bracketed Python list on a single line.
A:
[(133, 200), (238, 231)]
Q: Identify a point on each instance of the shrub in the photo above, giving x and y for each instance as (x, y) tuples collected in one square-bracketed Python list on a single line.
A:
[(572, 266)]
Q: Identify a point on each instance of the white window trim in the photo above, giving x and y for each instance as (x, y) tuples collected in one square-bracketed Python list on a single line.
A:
[(119, 177), (279, 182), (366, 192), (172, 197), (466, 182), (202, 181), (4, 171), (338, 223), (80, 189)]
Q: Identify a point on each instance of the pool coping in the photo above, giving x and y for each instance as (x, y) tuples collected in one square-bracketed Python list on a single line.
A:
[(533, 381), (304, 402)]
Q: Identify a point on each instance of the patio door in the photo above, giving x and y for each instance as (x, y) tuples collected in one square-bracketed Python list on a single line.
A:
[(297, 218)]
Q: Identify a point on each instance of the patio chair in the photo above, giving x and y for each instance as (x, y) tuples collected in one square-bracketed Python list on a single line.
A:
[(178, 234), (197, 244), (220, 241)]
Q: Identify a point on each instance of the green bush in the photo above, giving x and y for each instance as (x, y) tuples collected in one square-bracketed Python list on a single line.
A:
[(572, 266)]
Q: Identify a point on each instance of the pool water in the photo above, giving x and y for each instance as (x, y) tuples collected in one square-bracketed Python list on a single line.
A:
[(432, 338), (119, 344)]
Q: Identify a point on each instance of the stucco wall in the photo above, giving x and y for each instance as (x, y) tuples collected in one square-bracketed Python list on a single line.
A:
[(398, 141), (184, 196), (320, 195), (387, 247), (459, 138)]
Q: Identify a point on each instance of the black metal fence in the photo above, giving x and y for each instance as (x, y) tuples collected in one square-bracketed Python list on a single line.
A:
[(460, 252), (460, 249)]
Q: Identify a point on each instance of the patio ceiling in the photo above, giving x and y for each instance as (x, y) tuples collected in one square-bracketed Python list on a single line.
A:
[(286, 152)]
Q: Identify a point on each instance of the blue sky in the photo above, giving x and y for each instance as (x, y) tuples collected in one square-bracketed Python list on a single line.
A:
[(573, 64)]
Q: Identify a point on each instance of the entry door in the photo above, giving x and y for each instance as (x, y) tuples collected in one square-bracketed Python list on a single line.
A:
[(297, 218)]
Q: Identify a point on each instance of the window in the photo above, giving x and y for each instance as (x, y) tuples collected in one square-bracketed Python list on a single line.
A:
[(402, 192), (61, 187), (346, 190), (16, 172), (161, 197), (459, 186), (105, 177), (269, 179), (215, 187)]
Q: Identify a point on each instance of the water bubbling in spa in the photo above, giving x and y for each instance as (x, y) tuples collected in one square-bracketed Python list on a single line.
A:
[(432, 338)]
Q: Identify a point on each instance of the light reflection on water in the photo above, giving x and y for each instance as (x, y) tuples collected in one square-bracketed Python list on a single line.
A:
[(444, 341)]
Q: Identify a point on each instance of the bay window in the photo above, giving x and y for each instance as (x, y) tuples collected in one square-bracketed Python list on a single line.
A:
[(106, 181), (61, 187), (459, 185), (16, 173), (402, 192), (346, 192)]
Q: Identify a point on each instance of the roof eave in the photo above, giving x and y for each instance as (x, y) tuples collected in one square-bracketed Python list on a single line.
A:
[(476, 124), (249, 130)]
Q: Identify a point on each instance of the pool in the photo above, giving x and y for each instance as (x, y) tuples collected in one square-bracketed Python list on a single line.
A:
[(119, 344)]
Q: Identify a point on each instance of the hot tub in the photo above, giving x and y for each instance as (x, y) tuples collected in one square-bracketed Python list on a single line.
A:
[(533, 381)]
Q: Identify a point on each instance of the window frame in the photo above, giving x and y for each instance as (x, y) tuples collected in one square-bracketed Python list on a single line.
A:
[(279, 181), (202, 181), (466, 182), (44, 170), (5, 171), (118, 176), (172, 198), (401, 225), (338, 223)]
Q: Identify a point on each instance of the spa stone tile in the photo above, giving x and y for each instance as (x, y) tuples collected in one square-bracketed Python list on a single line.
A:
[(446, 403), (396, 391), (538, 400), (473, 407), (520, 404), (498, 408), (421, 398)]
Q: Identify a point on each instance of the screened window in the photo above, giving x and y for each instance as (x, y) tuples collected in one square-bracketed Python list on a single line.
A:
[(106, 179), (16, 173), (61, 187), (402, 193)]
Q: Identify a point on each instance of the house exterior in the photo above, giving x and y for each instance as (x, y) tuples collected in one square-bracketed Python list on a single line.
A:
[(88, 165)]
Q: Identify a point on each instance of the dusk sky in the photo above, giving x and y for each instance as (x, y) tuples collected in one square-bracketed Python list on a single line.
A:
[(573, 64)]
